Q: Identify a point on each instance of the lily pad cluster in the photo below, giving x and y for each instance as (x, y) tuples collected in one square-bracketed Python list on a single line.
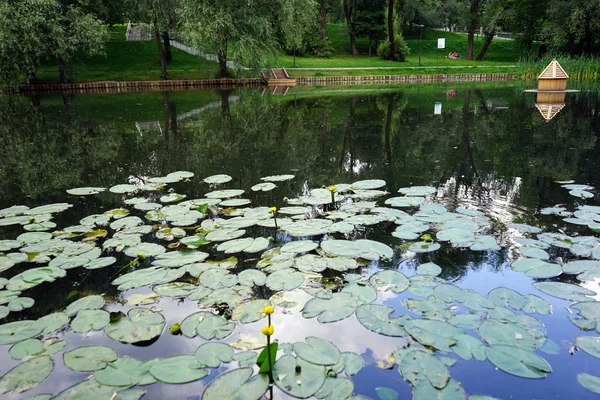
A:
[(210, 251)]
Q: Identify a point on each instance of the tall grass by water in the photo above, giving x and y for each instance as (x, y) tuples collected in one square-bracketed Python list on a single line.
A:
[(584, 68)]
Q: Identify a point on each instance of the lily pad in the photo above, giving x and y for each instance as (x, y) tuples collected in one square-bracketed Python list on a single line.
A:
[(20, 304), (87, 320), (350, 363), (212, 354), (14, 332), (418, 365), (389, 280), (418, 190), (368, 184), (86, 191), (564, 291), (224, 194), (317, 351), (263, 187), (92, 389), (215, 179), (336, 307), (284, 279), (297, 377), (424, 247), (207, 325), (300, 246), (438, 334), (237, 384), (126, 371), (589, 344), (140, 325), (91, 302), (430, 269), (178, 369), (405, 201), (249, 312), (89, 358), (502, 297), (377, 318), (26, 348), (518, 361), (452, 391), (27, 375), (589, 382)]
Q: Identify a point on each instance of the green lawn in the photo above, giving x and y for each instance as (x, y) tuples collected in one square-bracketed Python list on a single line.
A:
[(132, 61), (501, 52)]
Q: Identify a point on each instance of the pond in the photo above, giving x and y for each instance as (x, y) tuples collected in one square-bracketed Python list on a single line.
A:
[(435, 241)]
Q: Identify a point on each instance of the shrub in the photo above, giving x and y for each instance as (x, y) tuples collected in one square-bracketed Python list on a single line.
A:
[(402, 50)]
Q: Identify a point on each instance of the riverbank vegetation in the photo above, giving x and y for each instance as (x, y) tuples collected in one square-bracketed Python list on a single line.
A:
[(320, 34)]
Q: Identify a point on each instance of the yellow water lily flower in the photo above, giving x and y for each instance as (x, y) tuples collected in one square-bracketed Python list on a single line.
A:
[(268, 310), (268, 330), (273, 209), (332, 189)]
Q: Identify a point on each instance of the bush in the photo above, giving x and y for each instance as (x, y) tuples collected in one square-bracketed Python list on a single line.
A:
[(402, 50)]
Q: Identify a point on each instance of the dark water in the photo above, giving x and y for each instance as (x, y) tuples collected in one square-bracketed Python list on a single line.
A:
[(489, 148)]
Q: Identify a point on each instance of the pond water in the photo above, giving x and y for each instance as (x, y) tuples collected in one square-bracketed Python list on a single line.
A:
[(464, 283)]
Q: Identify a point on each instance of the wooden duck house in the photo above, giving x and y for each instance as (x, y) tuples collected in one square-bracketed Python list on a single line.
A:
[(553, 78)]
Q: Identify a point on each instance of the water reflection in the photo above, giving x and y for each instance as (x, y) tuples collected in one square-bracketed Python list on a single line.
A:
[(488, 148)]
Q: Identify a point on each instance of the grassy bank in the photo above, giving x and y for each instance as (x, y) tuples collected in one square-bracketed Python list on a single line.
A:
[(133, 61)]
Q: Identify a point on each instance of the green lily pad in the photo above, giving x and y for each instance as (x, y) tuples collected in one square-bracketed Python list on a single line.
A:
[(237, 384), (207, 325), (89, 358), (284, 279), (564, 291), (502, 297), (518, 361), (405, 201), (212, 354), (92, 302), (590, 310), (174, 289), (249, 312), (389, 280), (429, 269), (299, 246), (53, 322), (86, 191), (417, 190), (224, 194), (277, 178), (20, 304), (317, 351), (452, 391), (424, 247), (497, 333), (589, 344), (126, 371), (336, 307), (215, 179), (33, 277), (123, 188), (417, 365), (430, 308), (27, 375), (140, 325), (178, 369), (235, 203), (297, 377), (364, 293), (350, 363), (252, 277), (263, 187), (377, 318), (537, 304), (87, 320), (14, 332), (26, 348), (146, 249), (147, 276), (91, 389), (437, 334), (589, 382), (467, 347)]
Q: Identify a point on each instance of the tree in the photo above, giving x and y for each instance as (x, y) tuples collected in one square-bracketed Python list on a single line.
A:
[(370, 20), (245, 28), (473, 23), (349, 8), (34, 30), (495, 13), (296, 20), (390, 26)]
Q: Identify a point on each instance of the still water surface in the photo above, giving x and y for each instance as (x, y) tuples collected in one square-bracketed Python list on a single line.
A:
[(483, 147)]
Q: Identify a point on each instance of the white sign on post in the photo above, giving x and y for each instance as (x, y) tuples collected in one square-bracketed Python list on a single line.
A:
[(441, 43), (437, 109)]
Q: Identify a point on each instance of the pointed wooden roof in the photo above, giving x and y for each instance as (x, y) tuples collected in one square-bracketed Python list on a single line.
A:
[(549, 111), (554, 71)]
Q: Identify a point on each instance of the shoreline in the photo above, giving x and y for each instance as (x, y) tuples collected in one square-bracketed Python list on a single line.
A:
[(137, 86)]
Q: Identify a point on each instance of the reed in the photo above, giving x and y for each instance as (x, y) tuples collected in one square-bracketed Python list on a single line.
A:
[(579, 68)]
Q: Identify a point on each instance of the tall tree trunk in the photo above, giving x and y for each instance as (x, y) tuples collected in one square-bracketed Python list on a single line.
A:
[(225, 109), (390, 23), (472, 27), (348, 10), (323, 22), (486, 45), (63, 70), (222, 57), (161, 56), (388, 128), (167, 42)]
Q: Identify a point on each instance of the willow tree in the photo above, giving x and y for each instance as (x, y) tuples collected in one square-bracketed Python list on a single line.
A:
[(243, 30), (297, 19)]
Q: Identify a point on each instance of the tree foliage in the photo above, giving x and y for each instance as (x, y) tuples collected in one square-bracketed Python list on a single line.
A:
[(34, 30)]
